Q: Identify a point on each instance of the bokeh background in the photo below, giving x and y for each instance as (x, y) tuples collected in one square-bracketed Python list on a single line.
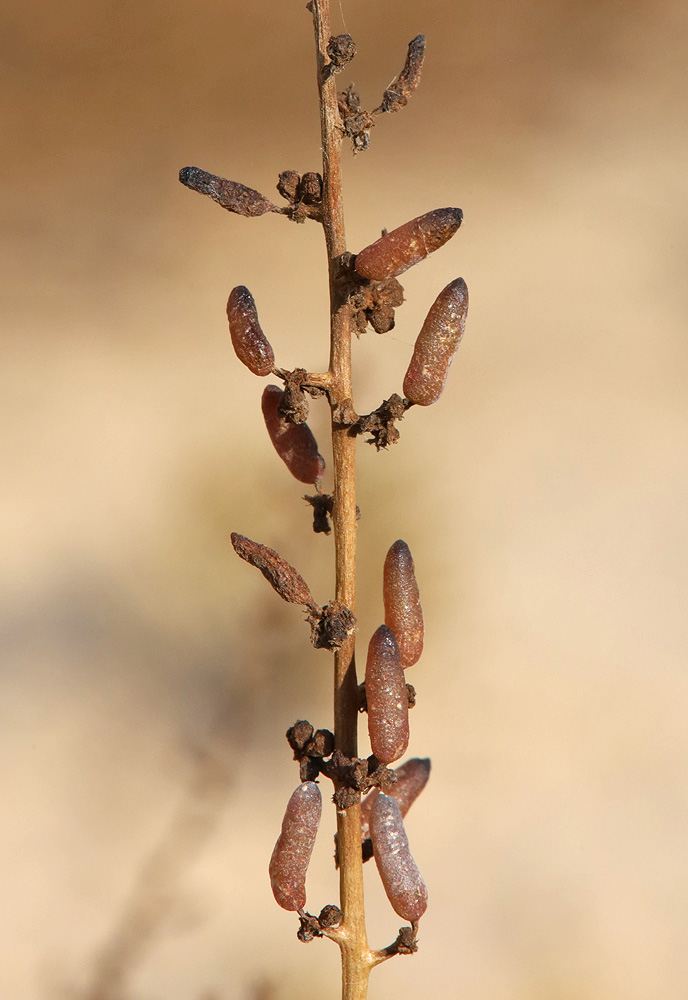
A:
[(148, 676)]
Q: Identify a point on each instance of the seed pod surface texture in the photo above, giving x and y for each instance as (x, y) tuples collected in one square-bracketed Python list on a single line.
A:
[(292, 853), (281, 575), (294, 443), (437, 344), (388, 725), (401, 879), (250, 343), (412, 777), (395, 252), (403, 612)]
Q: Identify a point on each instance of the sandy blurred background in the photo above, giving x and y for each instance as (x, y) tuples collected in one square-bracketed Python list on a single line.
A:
[(148, 676)]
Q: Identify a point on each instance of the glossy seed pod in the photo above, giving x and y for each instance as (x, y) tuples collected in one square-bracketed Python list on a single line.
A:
[(412, 777), (294, 443), (403, 612), (401, 879), (395, 252), (388, 725), (437, 344), (250, 343), (292, 853)]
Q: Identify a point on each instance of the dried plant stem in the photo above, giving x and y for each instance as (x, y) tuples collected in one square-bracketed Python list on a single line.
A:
[(357, 959)]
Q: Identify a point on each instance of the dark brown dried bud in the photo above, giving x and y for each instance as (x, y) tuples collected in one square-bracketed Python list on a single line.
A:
[(298, 736), (388, 725), (436, 345), (395, 252), (311, 188), (403, 611), (231, 195), (412, 777), (332, 626), (294, 443), (330, 916), (399, 873), (356, 122), (322, 743), (280, 574), (397, 94), (250, 343), (288, 184), (292, 853), (341, 49)]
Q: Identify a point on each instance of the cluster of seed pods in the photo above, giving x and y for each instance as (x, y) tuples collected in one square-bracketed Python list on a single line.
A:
[(398, 643), (444, 325), (395, 645)]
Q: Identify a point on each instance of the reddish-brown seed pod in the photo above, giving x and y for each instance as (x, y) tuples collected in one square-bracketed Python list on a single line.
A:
[(395, 252), (292, 853), (388, 725), (437, 344), (401, 879), (294, 443), (403, 612), (250, 343), (412, 777)]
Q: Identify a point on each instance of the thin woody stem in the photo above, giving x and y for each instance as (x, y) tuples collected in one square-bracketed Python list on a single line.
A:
[(356, 955)]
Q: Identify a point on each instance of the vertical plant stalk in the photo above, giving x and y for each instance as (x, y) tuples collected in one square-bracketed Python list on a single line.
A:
[(357, 959)]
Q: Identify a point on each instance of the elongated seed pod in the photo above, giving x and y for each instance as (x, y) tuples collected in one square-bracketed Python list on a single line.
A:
[(281, 575), (292, 853), (401, 879), (403, 612), (436, 345), (397, 94), (388, 725), (231, 195), (395, 252), (294, 443), (250, 343), (412, 777)]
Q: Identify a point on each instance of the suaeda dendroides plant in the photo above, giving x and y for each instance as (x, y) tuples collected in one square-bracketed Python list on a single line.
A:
[(364, 290)]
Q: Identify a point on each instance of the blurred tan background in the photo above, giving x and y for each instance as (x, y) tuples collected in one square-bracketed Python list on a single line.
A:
[(148, 676)]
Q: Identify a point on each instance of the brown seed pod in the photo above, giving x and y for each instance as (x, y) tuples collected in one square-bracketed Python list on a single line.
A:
[(231, 195), (294, 443), (397, 94), (250, 343), (395, 252), (403, 612), (292, 853), (388, 725), (412, 777), (436, 345), (280, 574), (401, 879)]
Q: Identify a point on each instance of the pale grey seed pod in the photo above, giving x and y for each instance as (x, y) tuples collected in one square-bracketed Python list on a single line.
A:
[(292, 853), (401, 879)]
